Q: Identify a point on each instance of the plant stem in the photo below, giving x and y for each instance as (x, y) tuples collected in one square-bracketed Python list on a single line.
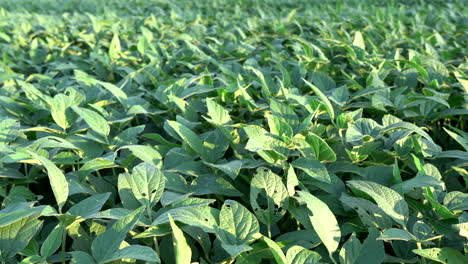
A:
[(155, 240), (64, 241), (423, 260), (332, 259)]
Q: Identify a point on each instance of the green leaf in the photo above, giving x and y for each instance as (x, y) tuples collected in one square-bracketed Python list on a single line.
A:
[(323, 220), (114, 47), (9, 130), (351, 250), (443, 211), (442, 255), (135, 252), (266, 91), (286, 113), (369, 213), (359, 40), (95, 121), (231, 168), (57, 180), (188, 136), (362, 129), (322, 150), (389, 200), (105, 247), (301, 255), (145, 153), (291, 181), (15, 236), (126, 193), (58, 107), (218, 114), (419, 181), (182, 251), (408, 126), (147, 183), (237, 228), (79, 257), (461, 140), (262, 142), (456, 201), (86, 208), (324, 99), (52, 242), (203, 217), (397, 234), (275, 251), (313, 168), (278, 126), (8, 216), (268, 187), (371, 251), (116, 91)]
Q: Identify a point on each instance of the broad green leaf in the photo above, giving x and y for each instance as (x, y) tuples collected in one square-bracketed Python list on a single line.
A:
[(9, 130), (58, 107), (442, 255), (443, 211), (237, 228), (371, 251), (145, 153), (322, 150), (389, 200), (276, 251), (369, 213), (313, 168), (286, 113), (291, 181), (278, 126), (201, 216), (94, 120), (126, 193), (182, 251), (79, 257), (301, 255), (105, 247), (461, 140), (57, 180), (408, 126), (135, 252), (8, 216), (188, 136), (52, 242), (114, 47), (267, 187), (351, 250), (363, 128), (358, 40), (262, 142), (218, 114), (231, 168), (86, 208), (323, 98), (419, 181), (323, 220), (456, 201), (266, 90), (15, 236), (147, 183), (397, 234), (116, 91)]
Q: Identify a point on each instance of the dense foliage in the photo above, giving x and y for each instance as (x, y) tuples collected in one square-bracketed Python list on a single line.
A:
[(247, 131)]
